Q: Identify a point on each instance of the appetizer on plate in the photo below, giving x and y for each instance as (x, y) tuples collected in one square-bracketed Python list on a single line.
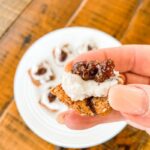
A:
[(85, 87), (62, 53), (41, 73), (48, 101)]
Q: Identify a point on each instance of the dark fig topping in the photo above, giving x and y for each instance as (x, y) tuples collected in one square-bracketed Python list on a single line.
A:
[(52, 77), (63, 56), (41, 71), (89, 47), (51, 97), (94, 70)]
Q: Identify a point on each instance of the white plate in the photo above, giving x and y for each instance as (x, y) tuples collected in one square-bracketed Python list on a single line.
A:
[(43, 123)]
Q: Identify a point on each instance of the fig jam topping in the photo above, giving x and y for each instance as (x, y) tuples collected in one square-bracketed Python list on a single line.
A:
[(94, 70), (41, 71), (52, 77), (51, 97), (89, 47), (63, 56)]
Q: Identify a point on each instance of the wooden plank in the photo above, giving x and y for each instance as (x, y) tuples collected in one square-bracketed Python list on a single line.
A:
[(40, 17), (9, 11), (112, 17), (14, 134), (139, 28), (130, 138)]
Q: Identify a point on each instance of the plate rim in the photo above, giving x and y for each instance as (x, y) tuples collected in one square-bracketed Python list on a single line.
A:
[(21, 112)]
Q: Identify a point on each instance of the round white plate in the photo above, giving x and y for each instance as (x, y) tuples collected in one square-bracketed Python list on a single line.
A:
[(40, 121)]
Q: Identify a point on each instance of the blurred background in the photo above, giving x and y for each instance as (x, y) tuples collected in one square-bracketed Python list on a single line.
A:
[(24, 21)]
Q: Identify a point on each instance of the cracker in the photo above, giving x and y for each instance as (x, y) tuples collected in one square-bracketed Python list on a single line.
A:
[(88, 106), (95, 106)]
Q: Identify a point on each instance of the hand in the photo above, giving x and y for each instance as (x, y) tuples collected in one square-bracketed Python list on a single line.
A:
[(129, 102)]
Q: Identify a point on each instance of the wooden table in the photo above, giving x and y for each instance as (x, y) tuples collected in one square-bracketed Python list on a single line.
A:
[(24, 21)]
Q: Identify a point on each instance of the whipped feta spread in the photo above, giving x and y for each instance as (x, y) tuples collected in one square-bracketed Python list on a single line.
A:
[(78, 89), (44, 77)]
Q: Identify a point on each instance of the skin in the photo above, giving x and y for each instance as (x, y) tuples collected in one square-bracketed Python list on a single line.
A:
[(130, 102)]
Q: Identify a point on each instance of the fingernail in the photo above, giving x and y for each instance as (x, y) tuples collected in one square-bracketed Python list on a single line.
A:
[(60, 118), (128, 99)]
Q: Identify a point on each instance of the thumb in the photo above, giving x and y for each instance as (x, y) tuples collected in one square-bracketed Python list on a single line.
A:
[(131, 99), (133, 102)]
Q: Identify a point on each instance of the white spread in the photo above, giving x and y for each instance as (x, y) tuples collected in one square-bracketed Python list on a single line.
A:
[(79, 89), (50, 105), (44, 77)]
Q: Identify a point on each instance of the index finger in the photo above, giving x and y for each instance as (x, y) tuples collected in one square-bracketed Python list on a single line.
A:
[(133, 58), (76, 121)]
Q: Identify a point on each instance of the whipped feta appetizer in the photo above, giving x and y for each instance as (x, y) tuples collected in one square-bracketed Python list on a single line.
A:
[(85, 87), (90, 79), (41, 73), (50, 101), (87, 46), (61, 53)]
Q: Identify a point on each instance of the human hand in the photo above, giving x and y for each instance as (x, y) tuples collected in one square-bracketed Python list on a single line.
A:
[(129, 102)]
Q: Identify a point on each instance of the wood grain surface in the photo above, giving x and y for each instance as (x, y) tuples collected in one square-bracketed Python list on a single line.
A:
[(24, 21), (112, 17), (14, 134), (9, 11), (138, 30)]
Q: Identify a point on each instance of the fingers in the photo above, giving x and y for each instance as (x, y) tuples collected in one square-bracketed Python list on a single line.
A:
[(75, 121), (60, 117), (132, 101), (128, 99), (134, 58), (134, 78), (139, 120)]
